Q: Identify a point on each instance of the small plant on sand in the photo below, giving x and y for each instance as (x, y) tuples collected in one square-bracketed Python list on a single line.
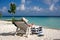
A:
[(0, 14)]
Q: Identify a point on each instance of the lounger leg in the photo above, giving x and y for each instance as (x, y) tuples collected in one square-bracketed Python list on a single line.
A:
[(16, 32), (28, 32)]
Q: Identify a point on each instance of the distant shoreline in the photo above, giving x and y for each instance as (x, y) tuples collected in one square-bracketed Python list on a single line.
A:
[(31, 16)]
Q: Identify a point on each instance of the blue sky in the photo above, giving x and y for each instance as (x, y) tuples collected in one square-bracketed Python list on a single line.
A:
[(32, 7)]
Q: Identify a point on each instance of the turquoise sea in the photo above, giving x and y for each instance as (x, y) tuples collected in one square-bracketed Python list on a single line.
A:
[(49, 22)]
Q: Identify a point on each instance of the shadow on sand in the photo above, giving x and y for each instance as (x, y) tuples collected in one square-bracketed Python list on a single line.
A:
[(7, 34)]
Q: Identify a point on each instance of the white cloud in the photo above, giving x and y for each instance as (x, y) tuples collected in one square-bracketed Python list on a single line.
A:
[(4, 9), (42, 9), (36, 8), (28, 2), (22, 1), (18, 8), (52, 7), (55, 1), (49, 2), (22, 5)]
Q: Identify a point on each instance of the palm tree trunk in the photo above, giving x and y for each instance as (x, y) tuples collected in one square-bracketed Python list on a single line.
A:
[(13, 18)]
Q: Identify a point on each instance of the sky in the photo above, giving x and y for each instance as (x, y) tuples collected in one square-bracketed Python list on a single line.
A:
[(31, 7)]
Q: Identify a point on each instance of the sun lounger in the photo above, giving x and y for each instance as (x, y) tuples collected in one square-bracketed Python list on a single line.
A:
[(37, 30), (22, 26), (40, 33)]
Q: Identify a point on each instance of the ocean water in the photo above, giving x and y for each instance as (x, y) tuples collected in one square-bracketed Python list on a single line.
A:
[(49, 22)]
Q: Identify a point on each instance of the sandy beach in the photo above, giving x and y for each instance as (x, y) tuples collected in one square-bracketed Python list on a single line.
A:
[(49, 34)]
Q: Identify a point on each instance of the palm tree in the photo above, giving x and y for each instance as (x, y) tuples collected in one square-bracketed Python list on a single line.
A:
[(12, 10)]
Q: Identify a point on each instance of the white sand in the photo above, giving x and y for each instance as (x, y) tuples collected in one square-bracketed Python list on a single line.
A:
[(5, 22), (49, 34), (6, 27)]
